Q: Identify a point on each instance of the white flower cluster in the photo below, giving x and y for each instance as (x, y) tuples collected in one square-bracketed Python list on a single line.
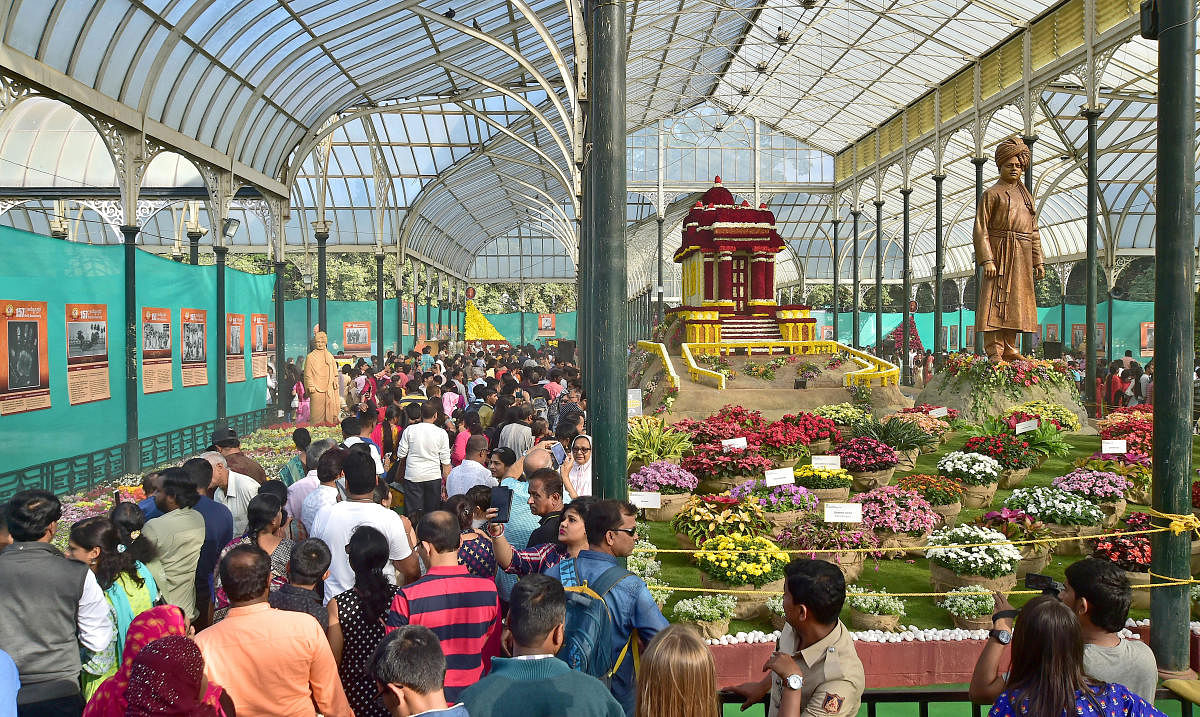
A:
[(969, 468), (985, 560), (1054, 505), (709, 608), (975, 603), (874, 604), (642, 563), (775, 605)]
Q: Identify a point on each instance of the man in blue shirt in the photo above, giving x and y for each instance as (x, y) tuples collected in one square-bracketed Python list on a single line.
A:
[(612, 531), (218, 531), (150, 485)]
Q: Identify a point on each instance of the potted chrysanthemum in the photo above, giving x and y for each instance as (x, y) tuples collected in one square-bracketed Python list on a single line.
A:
[(1104, 488), (1013, 453), (970, 607), (874, 609), (900, 518), (831, 485), (977, 473), (1017, 526), (673, 482), (943, 494), (1065, 515), (742, 562), (972, 555)]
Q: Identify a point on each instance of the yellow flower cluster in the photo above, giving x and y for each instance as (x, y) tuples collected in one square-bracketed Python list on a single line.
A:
[(478, 327), (742, 559), (811, 477)]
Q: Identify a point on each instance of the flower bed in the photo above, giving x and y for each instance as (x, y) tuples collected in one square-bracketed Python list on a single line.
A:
[(951, 413), (1064, 419), (1134, 425), (987, 378), (838, 543), (710, 462), (784, 443), (731, 421)]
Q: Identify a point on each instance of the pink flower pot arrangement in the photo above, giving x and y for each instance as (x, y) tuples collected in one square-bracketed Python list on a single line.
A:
[(871, 462), (900, 518), (672, 481)]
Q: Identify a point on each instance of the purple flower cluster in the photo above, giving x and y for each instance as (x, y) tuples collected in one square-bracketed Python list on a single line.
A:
[(1093, 485), (663, 477), (1129, 459), (897, 510), (780, 499)]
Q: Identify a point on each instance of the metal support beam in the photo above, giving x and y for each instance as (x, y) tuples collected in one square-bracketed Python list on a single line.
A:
[(978, 162), (322, 278), (836, 287), (660, 270), (1093, 225), (906, 374), (878, 277), (283, 392), (194, 247), (379, 307), (133, 453), (939, 266), (1174, 312), (606, 337), (221, 252), (856, 338)]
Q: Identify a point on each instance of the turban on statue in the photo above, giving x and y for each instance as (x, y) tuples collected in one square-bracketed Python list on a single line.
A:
[(1012, 147)]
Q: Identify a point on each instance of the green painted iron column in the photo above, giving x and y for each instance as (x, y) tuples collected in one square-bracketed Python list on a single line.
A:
[(133, 451), (283, 392), (1093, 226), (856, 330), (606, 118), (221, 251), (194, 247), (379, 307), (906, 278), (1173, 315), (661, 289), (837, 336), (428, 308), (878, 277), (978, 162), (322, 278), (939, 267)]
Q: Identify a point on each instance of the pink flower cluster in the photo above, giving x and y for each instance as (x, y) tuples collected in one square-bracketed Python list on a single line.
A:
[(864, 454), (813, 427), (708, 460), (1093, 485), (898, 510)]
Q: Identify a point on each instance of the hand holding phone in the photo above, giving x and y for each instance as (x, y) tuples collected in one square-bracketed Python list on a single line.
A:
[(502, 503)]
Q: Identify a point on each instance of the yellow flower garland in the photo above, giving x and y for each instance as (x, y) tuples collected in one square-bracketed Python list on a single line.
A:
[(478, 328)]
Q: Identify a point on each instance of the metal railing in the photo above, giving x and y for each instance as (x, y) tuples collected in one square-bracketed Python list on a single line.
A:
[(695, 371), (874, 372), (922, 697), (78, 473)]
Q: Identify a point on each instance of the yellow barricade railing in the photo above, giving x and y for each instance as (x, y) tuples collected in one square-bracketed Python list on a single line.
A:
[(716, 379), (660, 351), (874, 372)]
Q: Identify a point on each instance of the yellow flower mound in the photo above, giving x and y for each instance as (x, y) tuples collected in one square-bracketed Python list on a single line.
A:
[(478, 327)]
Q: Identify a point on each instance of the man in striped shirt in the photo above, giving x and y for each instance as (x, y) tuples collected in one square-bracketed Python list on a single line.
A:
[(461, 609)]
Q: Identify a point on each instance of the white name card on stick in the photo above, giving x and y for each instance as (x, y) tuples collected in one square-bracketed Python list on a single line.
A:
[(733, 444), (634, 401), (939, 412), (834, 461), (1026, 426), (843, 512), (779, 476), (1114, 446), (645, 499)]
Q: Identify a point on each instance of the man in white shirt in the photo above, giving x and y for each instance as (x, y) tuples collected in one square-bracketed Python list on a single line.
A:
[(473, 470), (329, 470), (425, 449), (231, 489), (336, 523), (302, 488), (517, 435)]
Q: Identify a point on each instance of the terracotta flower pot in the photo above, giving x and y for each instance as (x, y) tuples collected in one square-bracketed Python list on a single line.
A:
[(907, 459), (821, 447), (671, 507), (1113, 510), (1011, 478), (1141, 496), (710, 629), (1034, 559), (972, 623), (978, 496), (865, 621), (943, 580), (949, 513), (786, 519), (899, 544), (1141, 596), (831, 495), (750, 606), (1071, 547), (869, 480)]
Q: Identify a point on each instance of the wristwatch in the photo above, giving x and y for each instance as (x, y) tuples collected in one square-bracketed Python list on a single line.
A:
[(794, 682), (1002, 636)]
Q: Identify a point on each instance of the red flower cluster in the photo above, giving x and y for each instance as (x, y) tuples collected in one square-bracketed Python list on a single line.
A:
[(1130, 552), (709, 461), (1012, 452), (729, 422), (781, 435), (1137, 432), (1138, 521), (1196, 494), (813, 427), (951, 413)]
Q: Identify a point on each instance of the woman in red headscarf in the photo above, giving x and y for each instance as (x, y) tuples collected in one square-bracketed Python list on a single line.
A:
[(168, 679), (110, 699)]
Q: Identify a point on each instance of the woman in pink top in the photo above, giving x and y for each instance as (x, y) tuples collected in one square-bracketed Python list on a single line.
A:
[(468, 425)]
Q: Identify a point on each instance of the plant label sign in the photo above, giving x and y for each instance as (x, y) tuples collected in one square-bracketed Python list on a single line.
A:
[(733, 444), (779, 476), (634, 401), (1026, 426), (645, 499), (843, 512), (834, 462), (1114, 446), (939, 412)]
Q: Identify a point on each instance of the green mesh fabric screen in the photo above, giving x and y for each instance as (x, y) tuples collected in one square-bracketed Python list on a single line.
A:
[(39, 268)]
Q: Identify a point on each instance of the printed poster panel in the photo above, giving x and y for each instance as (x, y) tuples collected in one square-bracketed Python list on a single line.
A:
[(969, 336), (356, 336), (827, 333), (271, 336), (258, 346), (235, 348), (1052, 332), (194, 369), (954, 337), (546, 324), (156, 350), (1147, 338), (87, 353), (406, 317), (25, 365), (1079, 337)]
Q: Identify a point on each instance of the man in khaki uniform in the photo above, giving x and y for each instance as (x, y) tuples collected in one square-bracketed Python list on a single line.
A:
[(816, 670)]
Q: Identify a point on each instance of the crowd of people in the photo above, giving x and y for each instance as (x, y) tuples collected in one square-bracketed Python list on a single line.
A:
[(446, 557)]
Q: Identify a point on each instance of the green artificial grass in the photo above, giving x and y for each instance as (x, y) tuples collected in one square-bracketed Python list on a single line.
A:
[(904, 575)]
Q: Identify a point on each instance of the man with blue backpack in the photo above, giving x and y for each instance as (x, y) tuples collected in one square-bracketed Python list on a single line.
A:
[(606, 604)]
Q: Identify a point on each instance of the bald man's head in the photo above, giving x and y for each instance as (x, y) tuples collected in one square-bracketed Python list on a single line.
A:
[(535, 460), (246, 574)]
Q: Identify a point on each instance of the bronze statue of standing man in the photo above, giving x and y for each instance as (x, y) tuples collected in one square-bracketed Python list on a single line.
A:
[(1009, 248)]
